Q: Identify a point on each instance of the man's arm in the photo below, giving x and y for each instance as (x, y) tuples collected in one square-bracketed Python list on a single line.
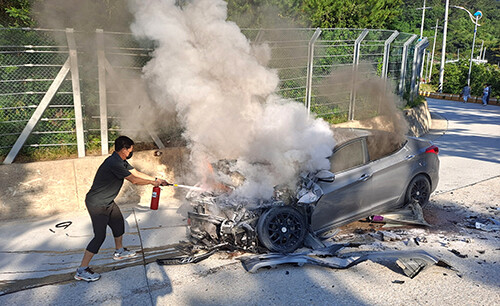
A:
[(141, 181), (139, 178)]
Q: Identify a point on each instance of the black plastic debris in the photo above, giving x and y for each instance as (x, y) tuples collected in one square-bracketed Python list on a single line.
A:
[(457, 253), (411, 266)]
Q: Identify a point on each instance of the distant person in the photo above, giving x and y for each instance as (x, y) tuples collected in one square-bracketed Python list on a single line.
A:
[(102, 208), (466, 93), (486, 92), (489, 94)]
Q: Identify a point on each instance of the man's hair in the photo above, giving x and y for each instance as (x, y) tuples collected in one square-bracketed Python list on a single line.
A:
[(123, 142)]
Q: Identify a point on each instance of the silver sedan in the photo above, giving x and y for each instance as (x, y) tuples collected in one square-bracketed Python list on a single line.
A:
[(372, 172)]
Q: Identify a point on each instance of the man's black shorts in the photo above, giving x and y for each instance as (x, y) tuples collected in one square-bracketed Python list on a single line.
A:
[(101, 217)]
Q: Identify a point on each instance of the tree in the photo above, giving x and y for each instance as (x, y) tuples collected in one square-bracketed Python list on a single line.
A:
[(16, 13), (377, 14)]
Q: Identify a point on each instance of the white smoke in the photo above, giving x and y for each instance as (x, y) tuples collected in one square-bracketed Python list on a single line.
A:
[(223, 93)]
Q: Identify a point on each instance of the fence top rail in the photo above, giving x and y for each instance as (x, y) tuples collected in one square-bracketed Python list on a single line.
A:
[(34, 29), (243, 29), (32, 46)]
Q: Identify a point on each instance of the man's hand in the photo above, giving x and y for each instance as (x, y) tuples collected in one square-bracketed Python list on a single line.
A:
[(163, 182), (156, 183)]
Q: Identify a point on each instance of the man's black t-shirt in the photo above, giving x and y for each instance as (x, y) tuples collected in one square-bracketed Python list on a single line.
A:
[(108, 181)]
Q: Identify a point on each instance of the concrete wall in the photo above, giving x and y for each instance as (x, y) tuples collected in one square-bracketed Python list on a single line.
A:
[(418, 119), (45, 188)]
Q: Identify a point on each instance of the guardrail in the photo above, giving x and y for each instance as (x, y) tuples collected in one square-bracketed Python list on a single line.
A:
[(457, 97)]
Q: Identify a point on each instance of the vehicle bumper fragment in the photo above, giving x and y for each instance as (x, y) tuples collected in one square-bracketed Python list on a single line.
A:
[(412, 262)]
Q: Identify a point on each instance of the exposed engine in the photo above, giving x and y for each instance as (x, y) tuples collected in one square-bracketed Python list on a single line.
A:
[(224, 218)]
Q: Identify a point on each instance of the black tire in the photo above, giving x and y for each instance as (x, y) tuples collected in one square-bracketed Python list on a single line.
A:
[(419, 190), (282, 229)]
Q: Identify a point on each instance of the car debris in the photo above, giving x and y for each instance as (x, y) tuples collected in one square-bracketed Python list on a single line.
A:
[(411, 262), (458, 254), (411, 214), (483, 224), (184, 253)]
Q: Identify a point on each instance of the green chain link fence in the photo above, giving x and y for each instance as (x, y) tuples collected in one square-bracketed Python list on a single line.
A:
[(30, 60)]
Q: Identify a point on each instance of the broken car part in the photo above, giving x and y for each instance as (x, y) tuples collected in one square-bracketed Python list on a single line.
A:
[(411, 262)]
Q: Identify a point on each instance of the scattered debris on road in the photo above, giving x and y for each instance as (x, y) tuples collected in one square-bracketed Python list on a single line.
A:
[(411, 262)]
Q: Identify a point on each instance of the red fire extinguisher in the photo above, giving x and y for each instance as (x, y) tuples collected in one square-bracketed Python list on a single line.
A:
[(155, 198)]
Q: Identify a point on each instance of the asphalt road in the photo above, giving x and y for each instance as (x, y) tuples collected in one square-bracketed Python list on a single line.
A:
[(470, 149), (468, 136)]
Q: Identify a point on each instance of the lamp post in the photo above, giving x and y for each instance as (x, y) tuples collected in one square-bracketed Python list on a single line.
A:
[(478, 15)]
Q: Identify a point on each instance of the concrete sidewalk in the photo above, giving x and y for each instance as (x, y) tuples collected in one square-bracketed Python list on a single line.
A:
[(43, 252)]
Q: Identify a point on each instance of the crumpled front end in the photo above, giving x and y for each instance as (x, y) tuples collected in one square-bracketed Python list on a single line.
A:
[(224, 218)]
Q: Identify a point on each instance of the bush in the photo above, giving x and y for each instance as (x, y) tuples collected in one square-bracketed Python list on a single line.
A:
[(455, 78)]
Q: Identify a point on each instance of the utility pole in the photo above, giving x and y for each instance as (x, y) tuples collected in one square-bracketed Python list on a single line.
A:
[(443, 50), (427, 68), (422, 23), (433, 49), (481, 52)]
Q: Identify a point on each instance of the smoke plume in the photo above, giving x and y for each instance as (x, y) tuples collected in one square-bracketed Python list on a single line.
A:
[(205, 69)]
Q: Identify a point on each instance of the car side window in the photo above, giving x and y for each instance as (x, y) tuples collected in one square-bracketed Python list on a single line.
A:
[(382, 144), (348, 156)]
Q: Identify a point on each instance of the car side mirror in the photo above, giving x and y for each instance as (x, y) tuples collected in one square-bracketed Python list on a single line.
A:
[(325, 176)]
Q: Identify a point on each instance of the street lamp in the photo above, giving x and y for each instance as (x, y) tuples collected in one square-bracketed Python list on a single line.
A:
[(478, 15)]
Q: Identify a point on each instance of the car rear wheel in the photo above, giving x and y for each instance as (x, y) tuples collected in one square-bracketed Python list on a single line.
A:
[(282, 229), (419, 190)]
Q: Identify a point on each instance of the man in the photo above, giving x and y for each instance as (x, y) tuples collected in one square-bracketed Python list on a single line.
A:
[(466, 93), (103, 210)]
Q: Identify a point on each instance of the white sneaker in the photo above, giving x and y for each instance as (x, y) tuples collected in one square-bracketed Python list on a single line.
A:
[(123, 253), (87, 275)]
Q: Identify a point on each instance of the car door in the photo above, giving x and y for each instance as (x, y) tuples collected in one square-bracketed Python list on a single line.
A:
[(390, 175), (345, 196)]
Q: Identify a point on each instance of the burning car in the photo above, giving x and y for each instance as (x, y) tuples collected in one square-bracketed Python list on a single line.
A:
[(372, 172)]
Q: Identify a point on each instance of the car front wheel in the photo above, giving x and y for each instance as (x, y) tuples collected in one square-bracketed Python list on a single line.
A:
[(282, 229), (419, 190)]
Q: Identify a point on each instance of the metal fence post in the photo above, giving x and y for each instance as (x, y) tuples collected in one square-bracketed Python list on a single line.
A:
[(112, 73), (310, 62), (417, 65), (403, 64), (103, 105), (387, 50), (77, 101), (355, 63)]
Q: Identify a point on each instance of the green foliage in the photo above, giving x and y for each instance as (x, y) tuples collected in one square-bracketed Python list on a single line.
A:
[(16, 13), (481, 74), (351, 13)]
